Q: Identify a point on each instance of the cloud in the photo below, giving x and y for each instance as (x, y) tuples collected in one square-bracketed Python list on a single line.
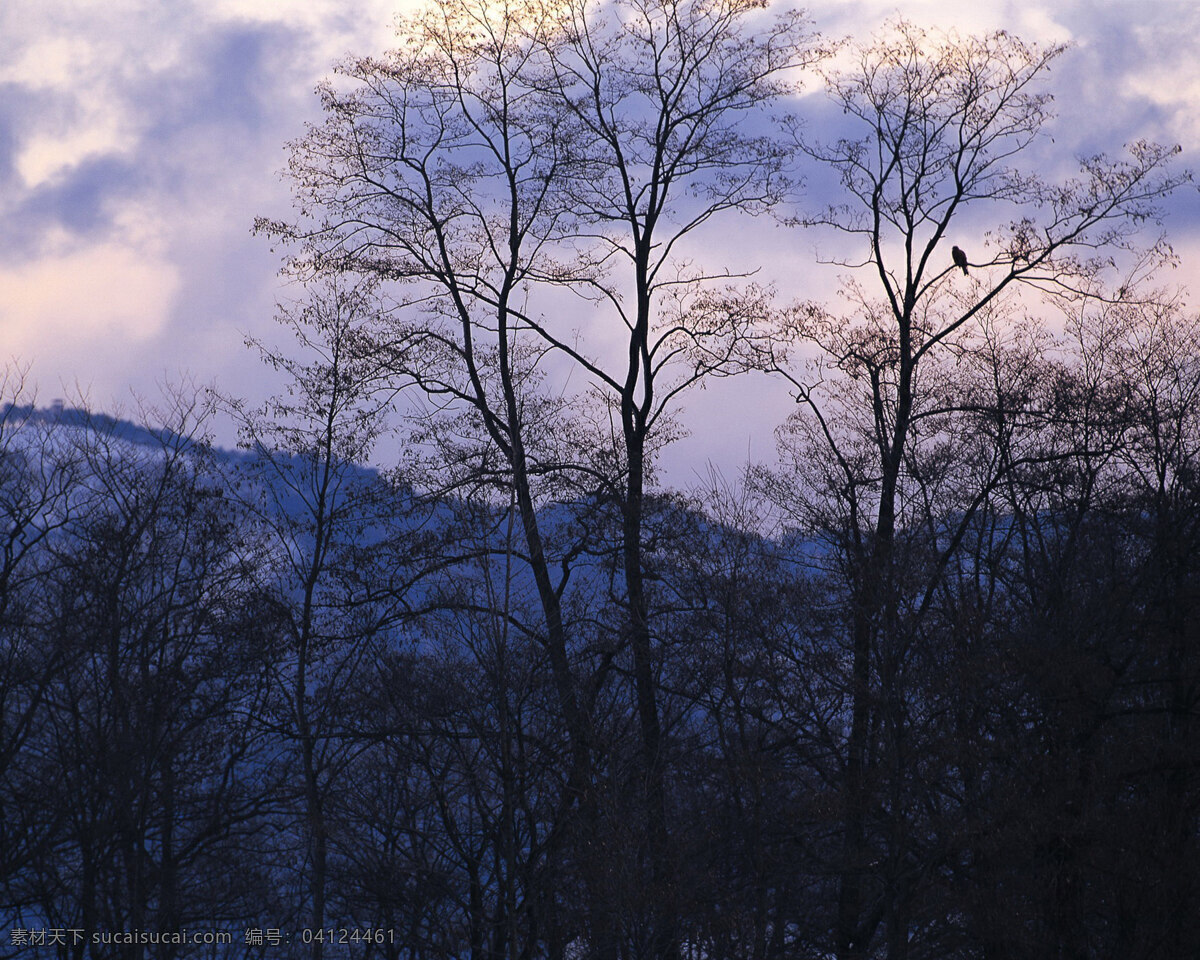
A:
[(860, 18), (67, 304), (1164, 72), (72, 113), (139, 139)]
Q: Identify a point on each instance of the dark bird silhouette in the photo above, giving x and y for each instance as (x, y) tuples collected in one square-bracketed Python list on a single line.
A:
[(960, 259)]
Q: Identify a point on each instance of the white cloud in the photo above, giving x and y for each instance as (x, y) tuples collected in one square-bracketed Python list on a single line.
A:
[(1031, 22), (863, 17), (1170, 79), (46, 156), (68, 303), (80, 118)]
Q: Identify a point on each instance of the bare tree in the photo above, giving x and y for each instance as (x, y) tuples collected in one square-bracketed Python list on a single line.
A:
[(38, 473), (36, 479), (435, 170), (944, 129), (507, 152), (666, 98), (135, 779), (319, 511)]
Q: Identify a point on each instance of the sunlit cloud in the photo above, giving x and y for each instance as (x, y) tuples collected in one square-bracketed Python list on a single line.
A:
[(70, 303)]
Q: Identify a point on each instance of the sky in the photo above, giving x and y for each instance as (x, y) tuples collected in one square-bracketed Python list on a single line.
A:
[(139, 139)]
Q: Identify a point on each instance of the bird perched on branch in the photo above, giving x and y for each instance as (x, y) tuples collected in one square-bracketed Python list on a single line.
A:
[(960, 259)]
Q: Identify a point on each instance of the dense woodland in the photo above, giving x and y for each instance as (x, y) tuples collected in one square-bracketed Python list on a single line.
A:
[(926, 686)]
